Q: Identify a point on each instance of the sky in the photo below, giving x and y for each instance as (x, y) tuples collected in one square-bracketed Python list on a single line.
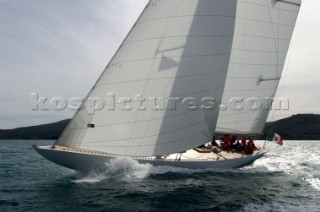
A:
[(59, 48)]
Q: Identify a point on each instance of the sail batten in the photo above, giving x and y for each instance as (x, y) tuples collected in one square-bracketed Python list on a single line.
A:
[(176, 50)]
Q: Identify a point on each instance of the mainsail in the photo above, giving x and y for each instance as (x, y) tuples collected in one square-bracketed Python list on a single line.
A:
[(177, 48), (262, 36)]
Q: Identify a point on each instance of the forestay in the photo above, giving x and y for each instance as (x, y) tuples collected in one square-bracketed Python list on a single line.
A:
[(177, 48)]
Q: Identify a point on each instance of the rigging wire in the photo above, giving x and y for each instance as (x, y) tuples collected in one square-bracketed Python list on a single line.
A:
[(277, 44)]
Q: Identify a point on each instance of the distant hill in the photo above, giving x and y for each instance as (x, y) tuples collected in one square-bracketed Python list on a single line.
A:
[(297, 127), (44, 131)]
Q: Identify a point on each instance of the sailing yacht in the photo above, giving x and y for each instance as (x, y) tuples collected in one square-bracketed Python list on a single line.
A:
[(179, 78)]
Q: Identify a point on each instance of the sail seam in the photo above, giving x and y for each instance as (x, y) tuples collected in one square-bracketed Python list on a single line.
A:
[(261, 21), (235, 77), (183, 16), (243, 18), (249, 50), (178, 36), (153, 58), (161, 78), (252, 64), (260, 36), (199, 36), (254, 89)]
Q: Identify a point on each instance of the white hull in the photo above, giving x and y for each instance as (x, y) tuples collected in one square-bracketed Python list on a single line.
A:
[(85, 161)]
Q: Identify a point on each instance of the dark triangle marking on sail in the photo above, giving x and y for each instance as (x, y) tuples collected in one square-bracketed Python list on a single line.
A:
[(167, 63)]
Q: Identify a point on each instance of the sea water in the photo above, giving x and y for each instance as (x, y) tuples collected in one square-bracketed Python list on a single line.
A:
[(286, 179)]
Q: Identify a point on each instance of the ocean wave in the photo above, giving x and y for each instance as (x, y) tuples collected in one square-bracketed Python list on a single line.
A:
[(121, 168), (298, 158), (127, 169)]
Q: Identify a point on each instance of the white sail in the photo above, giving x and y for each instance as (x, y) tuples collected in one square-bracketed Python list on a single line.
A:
[(262, 37), (177, 48)]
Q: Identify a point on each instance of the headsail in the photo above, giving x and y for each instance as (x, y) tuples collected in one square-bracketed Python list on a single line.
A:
[(177, 48), (262, 37)]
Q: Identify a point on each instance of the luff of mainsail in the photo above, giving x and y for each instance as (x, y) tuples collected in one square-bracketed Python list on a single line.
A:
[(177, 48), (262, 36)]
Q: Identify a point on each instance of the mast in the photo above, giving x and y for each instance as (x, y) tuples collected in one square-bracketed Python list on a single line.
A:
[(177, 49), (262, 37)]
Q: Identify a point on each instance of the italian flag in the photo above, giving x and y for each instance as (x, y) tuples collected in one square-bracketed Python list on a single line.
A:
[(276, 138)]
